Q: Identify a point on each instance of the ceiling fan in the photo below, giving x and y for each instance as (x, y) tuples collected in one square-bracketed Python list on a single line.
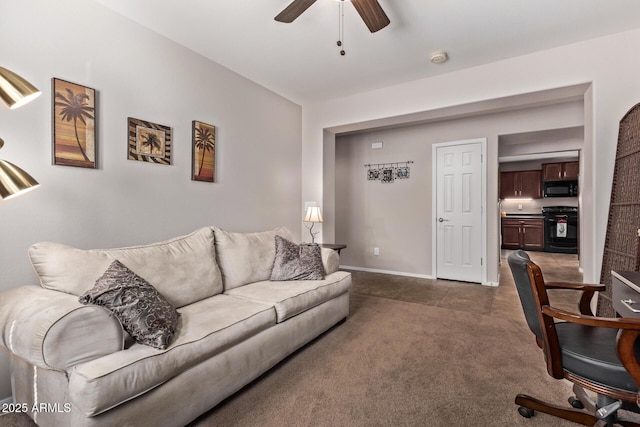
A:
[(369, 10)]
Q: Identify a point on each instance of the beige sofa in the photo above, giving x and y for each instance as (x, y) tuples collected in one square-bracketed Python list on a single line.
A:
[(73, 365)]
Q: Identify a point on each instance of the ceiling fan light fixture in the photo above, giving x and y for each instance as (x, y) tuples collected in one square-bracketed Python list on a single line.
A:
[(370, 11), (438, 57)]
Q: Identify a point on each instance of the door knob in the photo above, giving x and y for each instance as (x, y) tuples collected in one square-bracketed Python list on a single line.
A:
[(442, 219)]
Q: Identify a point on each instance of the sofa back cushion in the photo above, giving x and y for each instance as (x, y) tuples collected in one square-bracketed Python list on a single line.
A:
[(182, 269), (246, 257)]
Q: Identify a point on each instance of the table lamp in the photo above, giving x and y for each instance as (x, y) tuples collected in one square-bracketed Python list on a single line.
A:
[(313, 215)]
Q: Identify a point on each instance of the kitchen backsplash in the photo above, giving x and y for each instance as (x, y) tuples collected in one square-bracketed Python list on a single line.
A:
[(535, 205)]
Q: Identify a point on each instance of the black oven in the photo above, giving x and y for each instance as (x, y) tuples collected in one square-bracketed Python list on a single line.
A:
[(560, 229), (560, 188)]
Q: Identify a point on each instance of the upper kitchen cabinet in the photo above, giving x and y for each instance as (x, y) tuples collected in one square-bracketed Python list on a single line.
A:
[(521, 184), (560, 171)]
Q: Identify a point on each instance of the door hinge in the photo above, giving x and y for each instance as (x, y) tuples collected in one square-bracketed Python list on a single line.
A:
[(480, 261)]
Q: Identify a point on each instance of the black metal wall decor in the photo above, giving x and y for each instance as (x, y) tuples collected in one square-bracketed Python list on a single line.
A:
[(373, 174), (388, 172), (387, 175), (402, 172)]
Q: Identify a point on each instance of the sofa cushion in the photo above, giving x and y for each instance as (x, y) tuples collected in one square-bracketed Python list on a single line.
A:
[(205, 329), (297, 262), (246, 257), (291, 298), (183, 269), (144, 313)]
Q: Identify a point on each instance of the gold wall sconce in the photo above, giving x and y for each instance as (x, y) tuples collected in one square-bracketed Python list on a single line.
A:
[(15, 91)]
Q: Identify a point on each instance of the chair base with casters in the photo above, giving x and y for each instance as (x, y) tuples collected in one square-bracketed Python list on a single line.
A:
[(596, 354), (582, 411)]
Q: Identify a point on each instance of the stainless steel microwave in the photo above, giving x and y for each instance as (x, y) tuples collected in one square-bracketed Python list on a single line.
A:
[(560, 188)]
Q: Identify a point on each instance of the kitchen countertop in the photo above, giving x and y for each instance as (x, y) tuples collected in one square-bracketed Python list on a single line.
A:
[(523, 215)]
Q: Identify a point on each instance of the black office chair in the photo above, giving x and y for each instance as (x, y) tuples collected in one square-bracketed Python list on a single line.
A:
[(597, 354)]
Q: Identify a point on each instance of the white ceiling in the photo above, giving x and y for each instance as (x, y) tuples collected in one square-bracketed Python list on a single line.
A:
[(301, 61)]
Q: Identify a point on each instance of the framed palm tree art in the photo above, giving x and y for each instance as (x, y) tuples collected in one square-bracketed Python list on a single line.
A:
[(149, 142), (203, 152), (74, 124)]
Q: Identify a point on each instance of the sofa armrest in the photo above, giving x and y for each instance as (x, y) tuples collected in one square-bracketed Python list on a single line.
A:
[(330, 260), (51, 329)]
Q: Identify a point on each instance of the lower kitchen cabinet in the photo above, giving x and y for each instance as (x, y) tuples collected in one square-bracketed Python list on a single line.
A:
[(519, 233)]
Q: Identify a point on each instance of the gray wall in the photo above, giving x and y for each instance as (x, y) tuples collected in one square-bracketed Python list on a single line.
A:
[(140, 74), (397, 217), (609, 89)]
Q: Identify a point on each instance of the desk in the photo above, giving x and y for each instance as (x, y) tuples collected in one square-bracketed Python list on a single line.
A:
[(625, 293), (335, 247)]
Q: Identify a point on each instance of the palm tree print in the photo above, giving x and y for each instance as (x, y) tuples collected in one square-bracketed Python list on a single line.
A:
[(75, 107), (152, 140), (205, 141)]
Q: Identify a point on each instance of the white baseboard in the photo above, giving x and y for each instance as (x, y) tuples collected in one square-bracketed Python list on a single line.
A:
[(401, 273), (395, 273)]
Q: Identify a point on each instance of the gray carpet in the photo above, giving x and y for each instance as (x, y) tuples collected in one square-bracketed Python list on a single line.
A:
[(396, 363)]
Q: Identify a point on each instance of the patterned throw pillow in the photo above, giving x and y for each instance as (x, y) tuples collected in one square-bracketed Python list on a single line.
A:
[(297, 262), (144, 313)]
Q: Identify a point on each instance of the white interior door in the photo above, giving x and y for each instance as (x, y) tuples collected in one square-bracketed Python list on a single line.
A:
[(458, 211)]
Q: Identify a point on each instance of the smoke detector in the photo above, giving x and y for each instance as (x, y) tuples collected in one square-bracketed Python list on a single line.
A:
[(438, 57)]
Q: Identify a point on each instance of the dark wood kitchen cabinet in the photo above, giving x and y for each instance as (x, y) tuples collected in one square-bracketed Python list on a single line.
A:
[(519, 233), (564, 171), (521, 184)]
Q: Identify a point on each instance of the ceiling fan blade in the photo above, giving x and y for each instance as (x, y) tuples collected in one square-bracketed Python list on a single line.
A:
[(372, 14), (295, 9)]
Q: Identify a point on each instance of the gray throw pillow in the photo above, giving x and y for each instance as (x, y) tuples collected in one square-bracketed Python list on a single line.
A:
[(144, 313), (297, 262)]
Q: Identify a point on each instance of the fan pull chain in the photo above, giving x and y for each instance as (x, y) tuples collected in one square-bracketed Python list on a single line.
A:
[(341, 27)]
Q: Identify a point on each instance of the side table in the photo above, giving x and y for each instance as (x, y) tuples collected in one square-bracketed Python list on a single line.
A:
[(335, 247)]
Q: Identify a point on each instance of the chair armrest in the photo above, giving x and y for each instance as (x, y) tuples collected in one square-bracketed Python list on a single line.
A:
[(51, 329), (602, 322), (330, 260), (585, 300), (575, 286), (626, 349)]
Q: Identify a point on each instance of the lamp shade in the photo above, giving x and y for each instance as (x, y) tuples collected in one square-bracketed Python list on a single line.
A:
[(14, 90), (14, 181), (313, 214)]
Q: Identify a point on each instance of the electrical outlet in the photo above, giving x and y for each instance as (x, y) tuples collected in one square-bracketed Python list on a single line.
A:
[(376, 251)]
